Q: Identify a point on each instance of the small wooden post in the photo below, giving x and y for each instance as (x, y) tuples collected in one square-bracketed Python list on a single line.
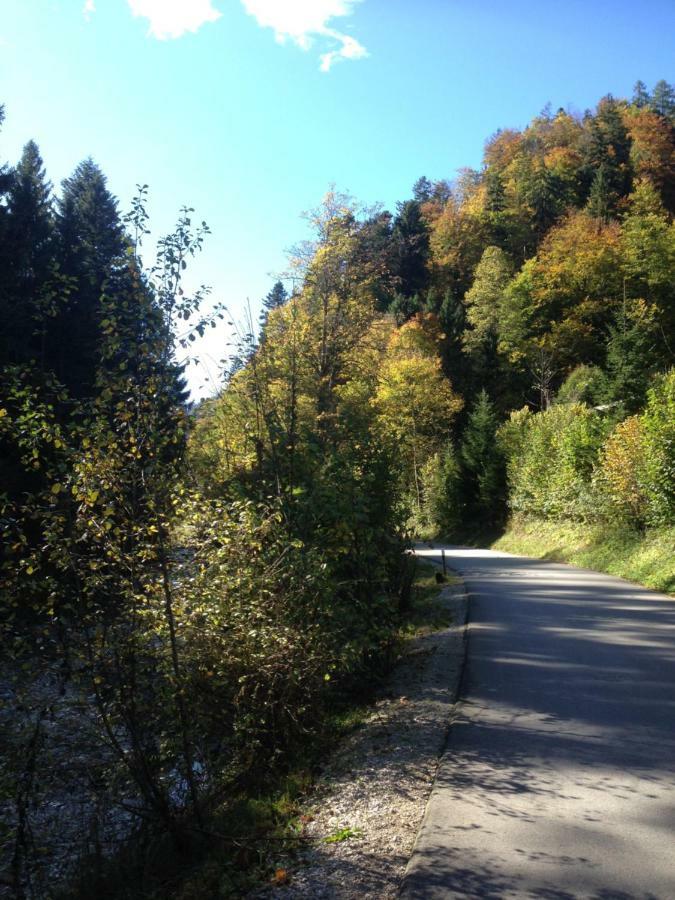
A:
[(445, 571)]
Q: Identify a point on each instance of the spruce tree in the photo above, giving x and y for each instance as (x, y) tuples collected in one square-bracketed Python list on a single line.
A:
[(422, 189), (90, 240), (410, 237), (601, 198), (640, 94), (482, 463), (403, 308), (632, 359), (663, 99), (608, 146), (274, 299), (28, 258)]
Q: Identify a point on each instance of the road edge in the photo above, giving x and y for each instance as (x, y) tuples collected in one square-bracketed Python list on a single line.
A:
[(456, 692)]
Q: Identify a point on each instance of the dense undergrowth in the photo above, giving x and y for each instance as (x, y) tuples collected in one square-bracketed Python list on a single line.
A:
[(252, 836)]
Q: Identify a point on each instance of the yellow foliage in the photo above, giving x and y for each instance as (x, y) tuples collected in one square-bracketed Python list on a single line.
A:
[(621, 468)]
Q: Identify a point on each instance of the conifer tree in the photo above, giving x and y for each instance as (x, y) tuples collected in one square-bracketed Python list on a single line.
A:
[(27, 257), (608, 145), (5, 182), (274, 299), (422, 189), (663, 99), (601, 198), (482, 462), (631, 359), (640, 94), (90, 239), (411, 241)]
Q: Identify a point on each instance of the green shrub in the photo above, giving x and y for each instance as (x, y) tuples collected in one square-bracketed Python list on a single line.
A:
[(620, 477), (658, 422), (441, 482), (551, 456)]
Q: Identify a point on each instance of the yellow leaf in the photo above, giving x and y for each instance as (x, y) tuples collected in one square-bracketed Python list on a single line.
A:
[(280, 876), (56, 489)]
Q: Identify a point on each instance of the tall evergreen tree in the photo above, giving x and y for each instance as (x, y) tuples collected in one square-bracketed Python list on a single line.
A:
[(423, 189), (27, 253), (663, 99), (274, 299), (632, 359), (5, 177), (544, 195), (601, 199), (410, 236), (90, 239), (607, 145), (640, 94), (483, 464)]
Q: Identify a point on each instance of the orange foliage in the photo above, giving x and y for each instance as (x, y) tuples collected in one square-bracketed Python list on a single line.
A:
[(653, 151), (502, 148)]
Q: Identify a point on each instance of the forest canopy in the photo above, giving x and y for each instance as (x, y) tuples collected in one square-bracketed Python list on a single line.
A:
[(188, 590)]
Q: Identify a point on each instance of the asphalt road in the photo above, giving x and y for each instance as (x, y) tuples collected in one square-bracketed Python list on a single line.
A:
[(558, 780)]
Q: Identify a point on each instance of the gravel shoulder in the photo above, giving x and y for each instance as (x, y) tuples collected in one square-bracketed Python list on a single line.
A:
[(373, 792)]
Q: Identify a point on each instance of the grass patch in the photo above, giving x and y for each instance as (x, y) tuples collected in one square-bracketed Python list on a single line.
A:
[(342, 835), (427, 613), (647, 558)]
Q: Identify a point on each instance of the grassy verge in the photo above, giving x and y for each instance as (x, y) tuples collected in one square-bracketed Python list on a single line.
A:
[(647, 558), (426, 613)]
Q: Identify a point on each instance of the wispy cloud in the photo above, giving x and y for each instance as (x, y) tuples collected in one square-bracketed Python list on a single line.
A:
[(304, 21), (173, 18), (88, 9)]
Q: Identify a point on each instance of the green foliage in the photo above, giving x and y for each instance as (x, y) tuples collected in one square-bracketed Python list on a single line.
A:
[(342, 834), (482, 462), (632, 356), (618, 549), (485, 299), (621, 476), (550, 460), (207, 585), (584, 384), (410, 236), (658, 423), (441, 481)]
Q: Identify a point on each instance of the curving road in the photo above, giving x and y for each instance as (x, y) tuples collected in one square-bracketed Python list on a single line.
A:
[(558, 780)]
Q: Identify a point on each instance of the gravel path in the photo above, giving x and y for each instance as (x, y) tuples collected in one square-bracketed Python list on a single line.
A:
[(376, 785)]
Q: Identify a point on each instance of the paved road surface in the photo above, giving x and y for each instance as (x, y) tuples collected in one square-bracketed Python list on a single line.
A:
[(558, 781)]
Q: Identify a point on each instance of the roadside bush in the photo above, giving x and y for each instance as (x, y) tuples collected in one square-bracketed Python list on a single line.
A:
[(266, 631), (620, 478), (550, 459), (658, 423), (441, 487)]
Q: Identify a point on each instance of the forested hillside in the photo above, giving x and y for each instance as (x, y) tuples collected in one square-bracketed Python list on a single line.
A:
[(188, 594)]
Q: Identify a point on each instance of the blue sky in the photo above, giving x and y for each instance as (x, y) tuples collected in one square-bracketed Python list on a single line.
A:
[(225, 105)]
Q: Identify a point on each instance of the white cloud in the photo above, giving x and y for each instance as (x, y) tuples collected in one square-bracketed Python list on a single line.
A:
[(88, 9), (173, 18), (302, 21)]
